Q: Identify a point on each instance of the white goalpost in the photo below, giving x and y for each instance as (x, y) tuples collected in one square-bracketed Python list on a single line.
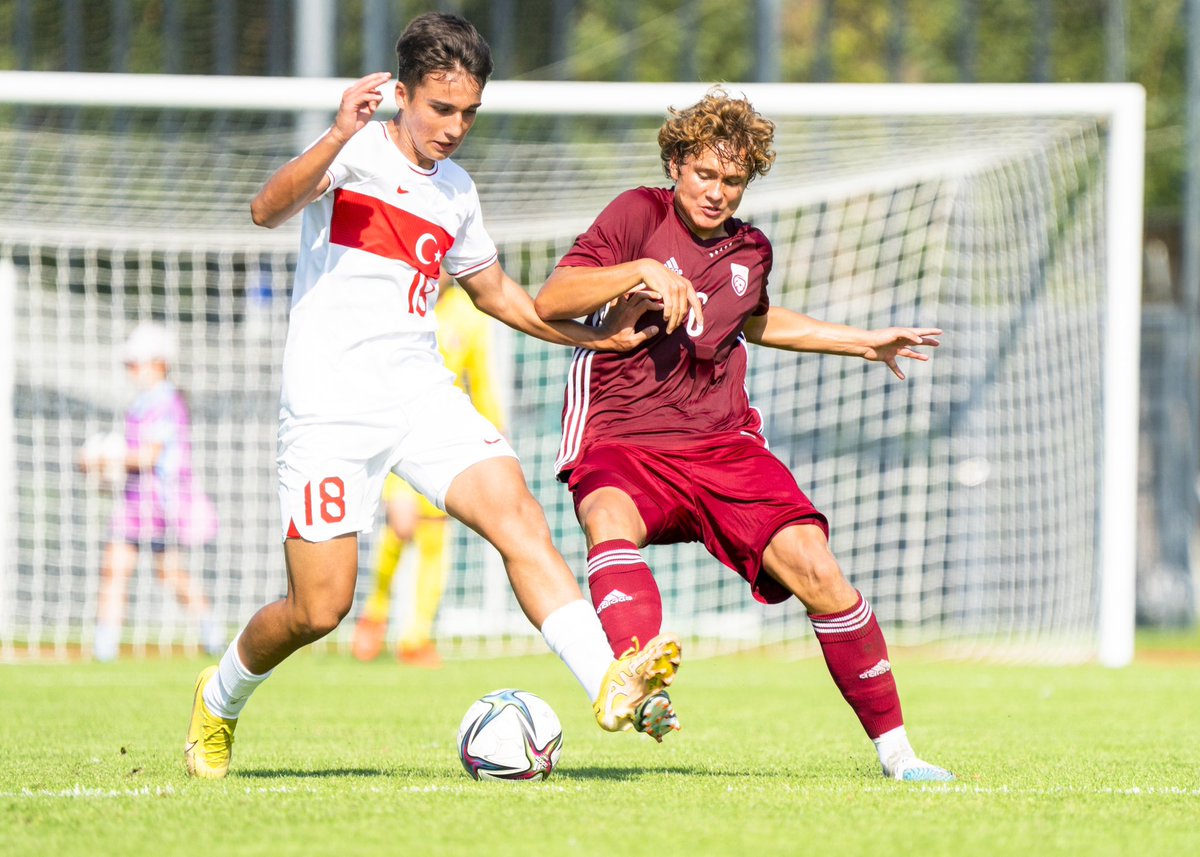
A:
[(986, 506)]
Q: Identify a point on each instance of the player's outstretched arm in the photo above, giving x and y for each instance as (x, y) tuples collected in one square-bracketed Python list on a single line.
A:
[(303, 179), (793, 331), (575, 291), (496, 294)]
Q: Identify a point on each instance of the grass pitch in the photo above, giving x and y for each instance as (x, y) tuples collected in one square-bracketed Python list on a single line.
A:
[(337, 757)]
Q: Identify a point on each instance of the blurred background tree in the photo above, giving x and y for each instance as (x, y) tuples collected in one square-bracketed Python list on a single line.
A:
[(859, 41), (1152, 42)]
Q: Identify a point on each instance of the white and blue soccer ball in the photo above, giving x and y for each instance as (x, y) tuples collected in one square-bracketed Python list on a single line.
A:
[(510, 735)]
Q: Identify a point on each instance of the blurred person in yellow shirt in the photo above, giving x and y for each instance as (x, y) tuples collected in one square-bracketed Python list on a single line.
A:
[(465, 342)]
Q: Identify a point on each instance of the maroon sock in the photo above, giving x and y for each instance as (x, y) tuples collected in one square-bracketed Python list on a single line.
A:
[(624, 593), (857, 657)]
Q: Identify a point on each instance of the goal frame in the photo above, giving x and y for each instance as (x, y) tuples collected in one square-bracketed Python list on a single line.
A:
[(1119, 106)]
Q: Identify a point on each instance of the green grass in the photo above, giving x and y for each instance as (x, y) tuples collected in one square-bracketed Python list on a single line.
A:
[(337, 757)]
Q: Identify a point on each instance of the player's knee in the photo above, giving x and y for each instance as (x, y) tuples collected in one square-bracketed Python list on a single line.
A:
[(403, 530), (402, 519), (120, 559), (313, 621), (313, 626), (808, 568), (810, 575), (825, 579), (604, 521), (523, 516)]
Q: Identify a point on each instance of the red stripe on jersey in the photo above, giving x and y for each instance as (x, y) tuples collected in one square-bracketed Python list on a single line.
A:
[(369, 224)]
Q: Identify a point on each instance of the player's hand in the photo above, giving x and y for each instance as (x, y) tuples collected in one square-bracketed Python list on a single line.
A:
[(890, 343), (619, 325), (675, 292), (359, 104)]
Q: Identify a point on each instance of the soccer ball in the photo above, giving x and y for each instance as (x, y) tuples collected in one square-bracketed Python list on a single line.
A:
[(510, 735), (104, 456)]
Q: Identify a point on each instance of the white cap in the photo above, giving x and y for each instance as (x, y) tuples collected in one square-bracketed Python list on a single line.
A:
[(150, 341)]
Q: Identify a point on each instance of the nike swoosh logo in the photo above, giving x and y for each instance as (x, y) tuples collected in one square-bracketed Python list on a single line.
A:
[(191, 746), (490, 442), (401, 190)]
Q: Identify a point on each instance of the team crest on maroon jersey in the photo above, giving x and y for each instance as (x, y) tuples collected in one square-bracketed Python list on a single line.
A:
[(739, 277)]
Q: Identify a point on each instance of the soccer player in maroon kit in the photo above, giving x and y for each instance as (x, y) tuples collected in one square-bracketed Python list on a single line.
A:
[(660, 445)]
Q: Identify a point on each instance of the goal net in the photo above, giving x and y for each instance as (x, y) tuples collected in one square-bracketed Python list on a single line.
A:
[(985, 505)]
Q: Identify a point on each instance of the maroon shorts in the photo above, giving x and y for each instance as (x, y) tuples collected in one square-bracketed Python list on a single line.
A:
[(726, 491)]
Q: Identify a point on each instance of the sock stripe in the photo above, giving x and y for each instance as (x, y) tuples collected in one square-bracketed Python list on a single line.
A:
[(857, 619), (628, 555), (611, 558)]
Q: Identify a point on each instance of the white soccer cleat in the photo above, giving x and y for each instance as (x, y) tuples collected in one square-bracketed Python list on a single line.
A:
[(906, 767)]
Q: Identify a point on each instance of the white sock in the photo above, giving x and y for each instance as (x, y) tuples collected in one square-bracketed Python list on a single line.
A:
[(573, 632), (891, 742), (227, 693), (212, 635), (106, 644)]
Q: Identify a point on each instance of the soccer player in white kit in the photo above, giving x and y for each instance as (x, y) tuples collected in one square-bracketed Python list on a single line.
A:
[(365, 392)]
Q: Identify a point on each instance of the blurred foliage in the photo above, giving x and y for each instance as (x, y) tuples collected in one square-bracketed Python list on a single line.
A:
[(864, 41)]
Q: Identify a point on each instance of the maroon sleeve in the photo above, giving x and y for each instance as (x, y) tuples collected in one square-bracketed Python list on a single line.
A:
[(618, 233)]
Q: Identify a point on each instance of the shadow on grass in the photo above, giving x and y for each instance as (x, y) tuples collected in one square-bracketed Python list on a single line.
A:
[(590, 772), (286, 773), (596, 772)]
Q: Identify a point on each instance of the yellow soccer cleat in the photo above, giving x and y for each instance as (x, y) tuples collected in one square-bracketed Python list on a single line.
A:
[(209, 744), (633, 678)]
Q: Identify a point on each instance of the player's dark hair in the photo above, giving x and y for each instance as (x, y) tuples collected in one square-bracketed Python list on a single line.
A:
[(439, 42), (729, 126)]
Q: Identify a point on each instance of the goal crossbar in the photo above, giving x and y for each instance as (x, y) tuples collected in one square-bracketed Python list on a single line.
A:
[(1120, 109)]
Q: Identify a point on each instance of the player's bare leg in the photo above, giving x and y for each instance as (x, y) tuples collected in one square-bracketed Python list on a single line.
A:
[(120, 559), (174, 574), (609, 513), (852, 643), (799, 557), (321, 577), (320, 591), (491, 497)]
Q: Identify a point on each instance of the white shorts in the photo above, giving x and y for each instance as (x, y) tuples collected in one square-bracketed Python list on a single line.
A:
[(331, 473)]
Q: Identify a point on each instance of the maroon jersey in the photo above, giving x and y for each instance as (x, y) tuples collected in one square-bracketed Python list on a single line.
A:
[(674, 388)]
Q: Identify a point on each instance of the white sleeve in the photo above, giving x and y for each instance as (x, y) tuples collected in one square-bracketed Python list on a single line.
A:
[(339, 171), (342, 168), (473, 248)]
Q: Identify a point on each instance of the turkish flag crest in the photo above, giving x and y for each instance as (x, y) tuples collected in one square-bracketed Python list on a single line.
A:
[(372, 225)]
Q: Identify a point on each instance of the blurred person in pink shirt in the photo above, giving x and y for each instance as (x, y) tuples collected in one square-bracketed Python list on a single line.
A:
[(159, 505)]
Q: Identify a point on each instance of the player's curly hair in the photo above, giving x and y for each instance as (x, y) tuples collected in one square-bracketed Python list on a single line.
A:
[(721, 123)]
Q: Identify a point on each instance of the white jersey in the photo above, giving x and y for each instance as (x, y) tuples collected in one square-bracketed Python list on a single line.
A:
[(362, 333)]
